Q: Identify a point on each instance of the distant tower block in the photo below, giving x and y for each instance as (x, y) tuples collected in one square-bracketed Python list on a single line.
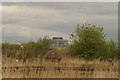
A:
[(59, 41)]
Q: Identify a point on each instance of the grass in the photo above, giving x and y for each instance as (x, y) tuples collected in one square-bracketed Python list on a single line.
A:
[(50, 72)]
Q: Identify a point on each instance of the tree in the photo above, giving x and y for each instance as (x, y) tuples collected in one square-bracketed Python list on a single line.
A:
[(113, 49), (88, 41), (37, 49), (9, 50), (43, 45), (27, 50)]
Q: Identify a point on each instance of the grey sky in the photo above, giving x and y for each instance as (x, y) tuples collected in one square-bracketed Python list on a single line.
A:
[(38, 19), (0, 23), (60, 0)]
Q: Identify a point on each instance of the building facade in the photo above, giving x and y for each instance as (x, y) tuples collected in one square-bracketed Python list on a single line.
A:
[(59, 41)]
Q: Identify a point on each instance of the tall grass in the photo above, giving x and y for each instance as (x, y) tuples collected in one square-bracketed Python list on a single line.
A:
[(50, 72)]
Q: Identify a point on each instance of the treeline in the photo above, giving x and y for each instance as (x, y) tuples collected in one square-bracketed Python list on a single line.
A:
[(87, 41), (27, 50)]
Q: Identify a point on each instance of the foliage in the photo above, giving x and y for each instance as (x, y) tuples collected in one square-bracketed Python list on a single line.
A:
[(9, 50), (0, 46), (88, 42), (27, 50), (113, 49)]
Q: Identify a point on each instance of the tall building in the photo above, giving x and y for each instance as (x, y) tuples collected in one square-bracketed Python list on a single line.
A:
[(59, 41)]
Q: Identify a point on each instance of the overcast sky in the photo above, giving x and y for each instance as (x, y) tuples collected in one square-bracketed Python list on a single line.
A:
[(23, 21)]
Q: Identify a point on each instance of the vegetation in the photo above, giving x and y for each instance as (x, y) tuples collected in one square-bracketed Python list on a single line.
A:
[(68, 64), (88, 42), (0, 47), (27, 50)]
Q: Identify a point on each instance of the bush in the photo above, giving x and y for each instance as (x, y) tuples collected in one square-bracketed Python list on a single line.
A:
[(88, 42)]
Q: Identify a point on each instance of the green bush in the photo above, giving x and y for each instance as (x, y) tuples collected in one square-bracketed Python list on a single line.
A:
[(88, 42)]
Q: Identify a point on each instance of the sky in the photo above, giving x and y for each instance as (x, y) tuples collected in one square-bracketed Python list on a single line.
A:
[(26, 21)]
